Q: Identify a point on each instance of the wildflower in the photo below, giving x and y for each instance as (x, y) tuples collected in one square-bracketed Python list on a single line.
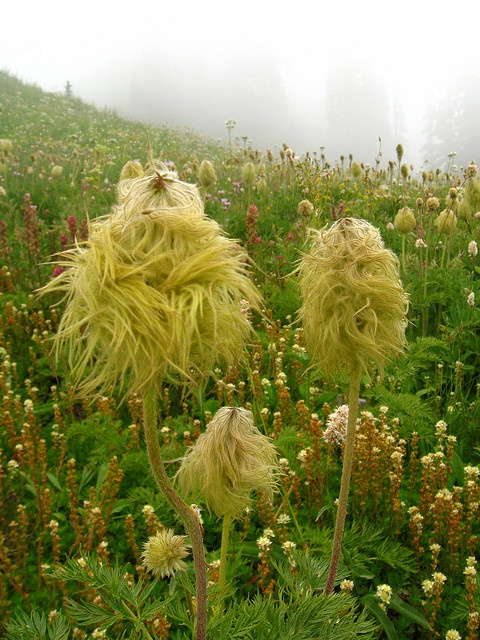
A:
[(354, 307), (427, 586), (264, 543), (336, 428), (384, 594), (471, 299), (421, 244), (347, 586), (228, 462), (405, 220), (154, 294), (283, 518), (164, 552), (288, 546), (452, 634), (472, 249)]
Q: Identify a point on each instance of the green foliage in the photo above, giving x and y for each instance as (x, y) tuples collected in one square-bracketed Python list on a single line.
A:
[(36, 626)]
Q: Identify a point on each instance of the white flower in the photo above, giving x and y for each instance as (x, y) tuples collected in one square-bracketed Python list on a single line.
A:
[(264, 543), (471, 299), (472, 248), (336, 430), (346, 586), (384, 593), (452, 634)]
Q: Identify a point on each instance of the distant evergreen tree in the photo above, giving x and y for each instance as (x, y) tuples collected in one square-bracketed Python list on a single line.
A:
[(451, 125)]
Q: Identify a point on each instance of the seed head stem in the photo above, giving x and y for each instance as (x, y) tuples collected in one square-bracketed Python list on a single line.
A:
[(353, 396), (188, 515)]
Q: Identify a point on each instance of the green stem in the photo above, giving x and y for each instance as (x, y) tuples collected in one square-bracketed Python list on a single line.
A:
[(188, 515), (227, 520), (353, 397)]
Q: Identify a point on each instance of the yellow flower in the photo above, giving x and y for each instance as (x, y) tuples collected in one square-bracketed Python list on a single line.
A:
[(164, 552), (155, 294), (228, 462), (354, 306)]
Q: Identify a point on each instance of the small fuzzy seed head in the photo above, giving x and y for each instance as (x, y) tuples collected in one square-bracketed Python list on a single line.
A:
[(305, 209), (56, 171), (132, 169), (249, 174), (472, 192), (228, 462), (164, 552), (446, 222), (353, 303), (405, 220), (206, 174), (155, 294)]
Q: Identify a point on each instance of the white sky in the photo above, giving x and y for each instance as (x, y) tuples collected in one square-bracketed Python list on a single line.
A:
[(415, 46)]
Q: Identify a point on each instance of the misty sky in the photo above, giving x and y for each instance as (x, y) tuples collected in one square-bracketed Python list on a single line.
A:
[(268, 65)]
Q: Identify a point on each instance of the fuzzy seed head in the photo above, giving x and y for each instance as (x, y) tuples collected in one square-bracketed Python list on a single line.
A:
[(249, 173), (405, 220), (228, 462), (156, 292), (164, 553), (354, 306), (446, 222), (206, 174)]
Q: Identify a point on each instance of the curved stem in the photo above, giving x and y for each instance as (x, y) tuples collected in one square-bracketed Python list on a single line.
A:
[(188, 515), (227, 520), (353, 396)]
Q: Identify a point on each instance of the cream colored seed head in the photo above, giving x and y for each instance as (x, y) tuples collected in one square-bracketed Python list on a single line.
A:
[(354, 306), (405, 220), (228, 462), (156, 292)]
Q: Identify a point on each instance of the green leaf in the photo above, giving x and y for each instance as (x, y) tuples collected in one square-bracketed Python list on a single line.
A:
[(458, 468), (398, 605), (54, 480), (372, 605)]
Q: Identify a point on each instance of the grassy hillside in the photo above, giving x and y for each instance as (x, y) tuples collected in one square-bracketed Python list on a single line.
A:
[(75, 481)]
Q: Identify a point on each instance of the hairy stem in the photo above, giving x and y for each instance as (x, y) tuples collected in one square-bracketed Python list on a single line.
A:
[(189, 516), (353, 396)]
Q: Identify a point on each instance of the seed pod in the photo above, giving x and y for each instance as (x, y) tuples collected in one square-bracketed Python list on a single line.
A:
[(354, 306)]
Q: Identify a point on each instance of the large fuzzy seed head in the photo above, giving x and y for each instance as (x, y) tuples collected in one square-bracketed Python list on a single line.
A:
[(155, 295), (228, 462), (354, 306)]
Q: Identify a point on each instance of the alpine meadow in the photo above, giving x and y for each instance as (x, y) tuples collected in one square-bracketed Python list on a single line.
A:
[(239, 388)]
